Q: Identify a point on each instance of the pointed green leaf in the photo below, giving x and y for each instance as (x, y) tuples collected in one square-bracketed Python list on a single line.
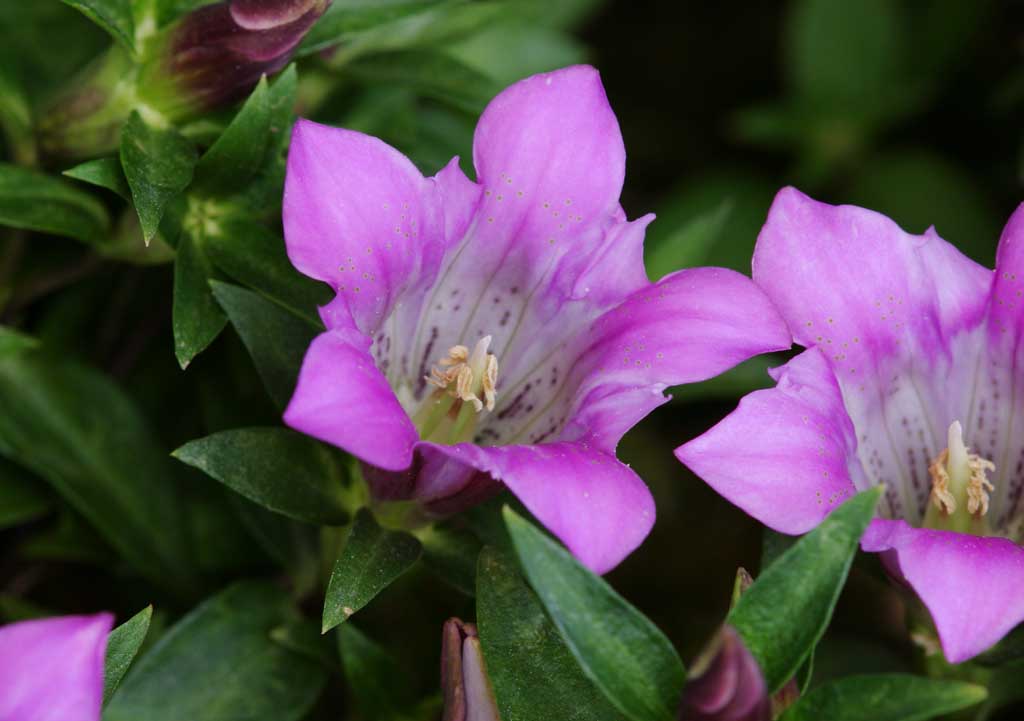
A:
[(104, 172), (238, 153), (77, 430), (114, 16), (197, 317), (263, 193), (276, 339), (219, 662), (122, 646), (784, 614), (884, 697), (281, 470), (371, 560), (620, 649), (533, 673), (36, 201), (158, 165)]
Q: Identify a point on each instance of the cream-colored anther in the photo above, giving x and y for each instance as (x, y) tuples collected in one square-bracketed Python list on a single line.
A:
[(470, 374), (958, 474), (941, 496), (978, 485)]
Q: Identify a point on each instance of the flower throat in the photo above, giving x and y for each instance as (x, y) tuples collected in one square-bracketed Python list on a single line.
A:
[(449, 414)]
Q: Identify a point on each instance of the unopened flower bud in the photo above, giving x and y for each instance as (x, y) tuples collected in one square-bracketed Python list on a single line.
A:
[(467, 690), (217, 53), (209, 57), (726, 684)]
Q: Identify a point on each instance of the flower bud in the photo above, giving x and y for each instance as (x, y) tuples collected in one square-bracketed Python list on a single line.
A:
[(726, 684), (210, 57), (467, 690), (217, 53)]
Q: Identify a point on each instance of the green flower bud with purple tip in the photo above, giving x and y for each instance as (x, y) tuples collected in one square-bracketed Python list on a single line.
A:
[(464, 682), (208, 58), (217, 53)]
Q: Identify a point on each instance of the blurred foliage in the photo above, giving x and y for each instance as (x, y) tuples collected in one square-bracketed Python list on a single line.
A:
[(147, 305)]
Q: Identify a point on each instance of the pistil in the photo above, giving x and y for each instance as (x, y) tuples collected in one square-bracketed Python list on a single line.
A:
[(960, 487), (449, 414)]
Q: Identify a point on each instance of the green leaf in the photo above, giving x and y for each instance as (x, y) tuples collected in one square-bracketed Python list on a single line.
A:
[(238, 153), (689, 244), (371, 560), (620, 649), (773, 545), (784, 614), (158, 164), (254, 255), (35, 201), (78, 431), (21, 497), (381, 689), (263, 193), (197, 317), (114, 16), (220, 663), (104, 172), (884, 697), (281, 470), (533, 673), (276, 339), (122, 646)]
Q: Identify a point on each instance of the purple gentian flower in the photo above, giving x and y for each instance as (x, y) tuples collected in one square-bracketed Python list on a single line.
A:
[(503, 330), (912, 378), (51, 669)]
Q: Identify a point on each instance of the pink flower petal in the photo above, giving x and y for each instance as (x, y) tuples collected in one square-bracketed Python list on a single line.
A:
[(594, 503), (342, 398), (52, 669), (787, 455), (360, 216), (970, 584)]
